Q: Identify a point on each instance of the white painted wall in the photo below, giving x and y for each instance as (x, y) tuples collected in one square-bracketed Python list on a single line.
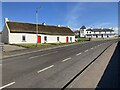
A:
[(16, 38)]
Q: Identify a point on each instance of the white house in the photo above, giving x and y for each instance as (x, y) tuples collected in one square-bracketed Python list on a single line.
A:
[(96, 32), (20, 32)]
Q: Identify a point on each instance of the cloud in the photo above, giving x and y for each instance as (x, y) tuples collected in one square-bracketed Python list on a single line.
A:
[(72, 17)]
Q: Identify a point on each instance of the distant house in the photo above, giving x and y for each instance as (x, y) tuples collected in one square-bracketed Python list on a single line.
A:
[(80, 32), (96, 32), (20, 32), (100, 33)]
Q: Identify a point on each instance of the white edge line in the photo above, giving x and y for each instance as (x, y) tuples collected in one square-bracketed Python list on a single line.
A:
[(78, 54), (45, 68), (7, 85), (37, 51), (66, 59)]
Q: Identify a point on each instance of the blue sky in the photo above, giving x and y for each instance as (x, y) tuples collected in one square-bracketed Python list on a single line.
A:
[(73, 14)]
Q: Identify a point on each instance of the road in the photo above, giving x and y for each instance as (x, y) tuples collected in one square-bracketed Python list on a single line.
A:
[(52, 68)]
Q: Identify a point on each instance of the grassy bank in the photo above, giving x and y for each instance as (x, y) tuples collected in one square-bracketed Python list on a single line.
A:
[(30, 45), (82, 39)]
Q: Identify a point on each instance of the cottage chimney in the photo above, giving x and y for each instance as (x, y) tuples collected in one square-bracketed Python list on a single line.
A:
[(6, 20), (68, 26)]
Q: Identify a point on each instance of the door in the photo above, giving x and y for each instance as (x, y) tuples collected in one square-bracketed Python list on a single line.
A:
[(66, 39), (39, 39)]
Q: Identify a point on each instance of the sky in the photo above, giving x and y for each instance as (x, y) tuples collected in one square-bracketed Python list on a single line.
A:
[(72, 14)]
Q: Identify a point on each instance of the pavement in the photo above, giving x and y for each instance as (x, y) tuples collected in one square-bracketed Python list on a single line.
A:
[(93, 74), (8, 48), (51, 68)]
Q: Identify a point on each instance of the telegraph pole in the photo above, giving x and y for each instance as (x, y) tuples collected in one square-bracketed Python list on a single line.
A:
[(37, 26)]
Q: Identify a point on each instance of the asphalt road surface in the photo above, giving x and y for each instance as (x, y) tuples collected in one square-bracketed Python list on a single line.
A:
[(50, 68)]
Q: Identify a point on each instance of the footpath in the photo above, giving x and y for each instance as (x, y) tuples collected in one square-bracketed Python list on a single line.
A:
[(103, 73)]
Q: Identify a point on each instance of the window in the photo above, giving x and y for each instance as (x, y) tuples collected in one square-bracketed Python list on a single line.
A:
[(23, 38), (45, 38), (71, 39), (58, 39)]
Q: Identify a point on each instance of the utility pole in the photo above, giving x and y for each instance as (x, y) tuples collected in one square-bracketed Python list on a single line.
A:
[(37, 26)]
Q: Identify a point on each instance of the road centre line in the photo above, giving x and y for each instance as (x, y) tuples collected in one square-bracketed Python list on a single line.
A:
[(78, 54), (42, 55), (48, 53), (66, 59), (91, 48), (45, 69), (86, 50), (33, 57), (7, 85)]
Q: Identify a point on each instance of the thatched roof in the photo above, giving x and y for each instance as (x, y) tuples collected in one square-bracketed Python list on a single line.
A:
[(100, 30), (19, 27)]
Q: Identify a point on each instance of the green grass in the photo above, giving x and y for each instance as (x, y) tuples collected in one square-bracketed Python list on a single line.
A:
[(82, 39), (30, 45)]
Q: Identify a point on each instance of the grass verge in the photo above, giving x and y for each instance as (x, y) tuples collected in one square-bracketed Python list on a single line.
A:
[(30, 45)]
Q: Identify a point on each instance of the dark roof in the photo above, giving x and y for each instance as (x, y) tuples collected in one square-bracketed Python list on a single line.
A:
[(100, 30), (77, 31), (83, 27), (20, 27)]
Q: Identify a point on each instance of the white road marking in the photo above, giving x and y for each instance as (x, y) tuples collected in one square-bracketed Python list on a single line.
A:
[(33, 57), (48, 53), (45, 69), (86, 50), (66, 59), (7, 85), (98, 45), (91, 48), (43, 55), (78, 54)]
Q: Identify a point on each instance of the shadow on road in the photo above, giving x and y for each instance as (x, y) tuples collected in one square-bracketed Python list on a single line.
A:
[(111, 76)]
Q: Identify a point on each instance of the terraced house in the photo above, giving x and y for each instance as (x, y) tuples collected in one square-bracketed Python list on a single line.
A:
[(20, 32), (96, 32)]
